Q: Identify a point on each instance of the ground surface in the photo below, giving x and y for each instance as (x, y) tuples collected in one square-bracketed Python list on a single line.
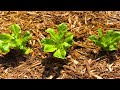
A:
[(84, 59)]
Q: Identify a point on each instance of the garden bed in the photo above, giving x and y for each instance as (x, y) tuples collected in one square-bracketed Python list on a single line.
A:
[(84, 59)]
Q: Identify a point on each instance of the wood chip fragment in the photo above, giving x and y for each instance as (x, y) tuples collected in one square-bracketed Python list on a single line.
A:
[(98, 77), (87, 66), (75, 61), (110, 67), (50, 77)]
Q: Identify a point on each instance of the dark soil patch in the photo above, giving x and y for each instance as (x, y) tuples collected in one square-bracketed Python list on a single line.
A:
[(12, 59), (53, 66)]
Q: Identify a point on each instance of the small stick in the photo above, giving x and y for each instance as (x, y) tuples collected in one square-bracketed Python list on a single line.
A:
[(87, 66)]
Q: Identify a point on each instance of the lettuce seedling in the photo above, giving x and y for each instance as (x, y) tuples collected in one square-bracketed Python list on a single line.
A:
[(58, 42), (109, 41), (15, 40)]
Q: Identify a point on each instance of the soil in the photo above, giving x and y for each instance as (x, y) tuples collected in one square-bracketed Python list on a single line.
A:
[(84, 59)]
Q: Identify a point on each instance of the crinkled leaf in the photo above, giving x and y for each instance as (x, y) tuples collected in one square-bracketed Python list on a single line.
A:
[(93, 38), (63, 53), (99, 43), (52, 34), (16, 30), (49, 48), (69, 38), (1, 44), (117, 39), (109, 41), (66, 45), (108, 34), (57, 54), (100, 32), (60, 36), (112, 47), (47, 41), (5, 47), (116, 36), (17, 43), (111, 38), (5, 40), (60, 54), (26, 37), (5, 37), (62, 27), (116, 33), (13, 43), (27, 51)]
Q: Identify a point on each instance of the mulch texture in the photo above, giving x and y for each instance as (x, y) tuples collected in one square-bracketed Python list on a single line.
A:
[(84, 59)]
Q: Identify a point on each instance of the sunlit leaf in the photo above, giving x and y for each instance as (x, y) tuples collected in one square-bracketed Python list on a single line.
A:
[(16, 30), (5, 47), (108, 41), (60, 54), (66, 45), (5, 37), (49, 48), (69, 38), (62, 27), (14, 40), (100, 32), (93, 38), (27, 51), (52, 34), (58, 42), (26, 37), (112, 47), (47, 41)]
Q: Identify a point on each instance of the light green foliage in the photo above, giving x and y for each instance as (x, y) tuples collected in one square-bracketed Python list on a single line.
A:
[(109, 41), (15, 40), (58, 42)]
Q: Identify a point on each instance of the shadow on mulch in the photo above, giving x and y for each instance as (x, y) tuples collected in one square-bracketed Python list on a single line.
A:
[(53, 66), (103, 54), (12, 59)]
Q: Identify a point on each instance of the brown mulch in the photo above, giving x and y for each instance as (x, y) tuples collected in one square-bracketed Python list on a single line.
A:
[(84, 59)]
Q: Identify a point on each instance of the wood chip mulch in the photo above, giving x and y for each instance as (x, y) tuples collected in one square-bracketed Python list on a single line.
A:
[(84, 59)]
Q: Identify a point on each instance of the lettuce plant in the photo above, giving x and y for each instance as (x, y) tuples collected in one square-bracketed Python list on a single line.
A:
[(59, 41), (109, 41), (15, 40)]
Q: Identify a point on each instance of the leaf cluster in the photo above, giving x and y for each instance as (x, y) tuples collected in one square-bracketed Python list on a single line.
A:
[(108, 41), (14, 40), (59, 41)]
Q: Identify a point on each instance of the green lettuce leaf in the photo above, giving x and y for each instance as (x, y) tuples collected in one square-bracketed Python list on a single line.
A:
[(60, 54), (62, 27), (69, 38), (49, 48), (16, 30), (26, 37), (52, 34), (5, 37)]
